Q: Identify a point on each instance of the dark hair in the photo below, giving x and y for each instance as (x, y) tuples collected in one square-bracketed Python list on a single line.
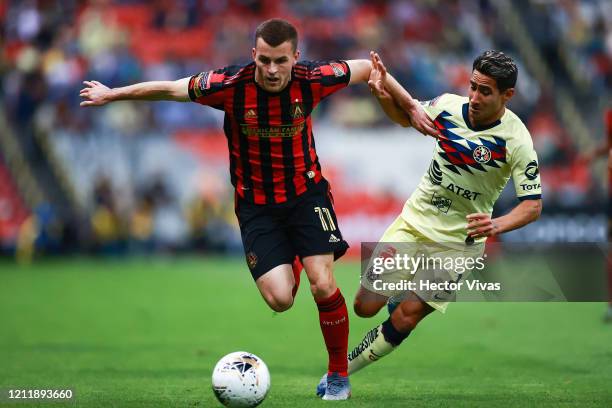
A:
[(276, 31), (498, 66)]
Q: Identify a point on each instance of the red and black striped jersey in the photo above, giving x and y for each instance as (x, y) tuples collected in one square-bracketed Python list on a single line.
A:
[(269, 135)]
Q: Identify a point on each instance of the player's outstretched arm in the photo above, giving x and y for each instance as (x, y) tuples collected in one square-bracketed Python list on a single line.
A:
[(378, 77), (418, 117), (482, 225), (96, 94), (362, 70)]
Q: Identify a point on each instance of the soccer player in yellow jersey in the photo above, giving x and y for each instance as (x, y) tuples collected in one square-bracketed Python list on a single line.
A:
[(481, 144)]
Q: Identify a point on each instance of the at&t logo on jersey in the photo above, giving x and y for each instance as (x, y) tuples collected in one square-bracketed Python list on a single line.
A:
[(435, 177)]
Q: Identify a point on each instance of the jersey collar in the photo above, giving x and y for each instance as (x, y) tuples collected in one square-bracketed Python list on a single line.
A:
[(466, 118)]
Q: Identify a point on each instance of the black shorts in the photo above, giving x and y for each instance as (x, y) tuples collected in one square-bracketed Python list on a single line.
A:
[(273, 234)]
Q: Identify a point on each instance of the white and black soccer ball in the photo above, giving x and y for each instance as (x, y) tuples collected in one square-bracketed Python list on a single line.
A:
[(241, 379)]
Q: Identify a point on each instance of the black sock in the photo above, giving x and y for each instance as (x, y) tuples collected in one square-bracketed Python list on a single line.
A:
[(391, 334)]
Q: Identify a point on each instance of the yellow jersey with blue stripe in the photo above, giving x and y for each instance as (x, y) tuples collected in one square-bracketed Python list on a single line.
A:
[(469, 169)]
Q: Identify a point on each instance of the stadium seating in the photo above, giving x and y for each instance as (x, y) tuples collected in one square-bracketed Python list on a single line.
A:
[(429, 48)]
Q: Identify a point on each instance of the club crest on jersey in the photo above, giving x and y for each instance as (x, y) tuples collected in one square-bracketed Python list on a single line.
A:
[(460, 153), (482, 154), (297, 110), (337, 68)]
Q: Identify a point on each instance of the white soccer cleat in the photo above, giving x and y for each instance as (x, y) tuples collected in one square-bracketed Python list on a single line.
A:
[(322, 386), (338, 388)]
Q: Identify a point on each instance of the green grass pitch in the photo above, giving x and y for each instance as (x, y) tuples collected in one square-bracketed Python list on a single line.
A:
[(147, 333)]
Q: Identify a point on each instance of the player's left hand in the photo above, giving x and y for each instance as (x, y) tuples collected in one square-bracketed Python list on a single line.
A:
[(481, 225)]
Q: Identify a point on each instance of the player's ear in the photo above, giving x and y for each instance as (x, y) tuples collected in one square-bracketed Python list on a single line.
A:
[(508, 94), (254, 53), (296, 56)]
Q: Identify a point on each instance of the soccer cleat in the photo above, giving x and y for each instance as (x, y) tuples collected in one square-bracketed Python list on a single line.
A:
[(322, 386), (338, 388), (297, 270)]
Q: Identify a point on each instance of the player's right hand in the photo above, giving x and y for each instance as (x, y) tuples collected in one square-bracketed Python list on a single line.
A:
[(378, 77), (95, 94), (416, 114)]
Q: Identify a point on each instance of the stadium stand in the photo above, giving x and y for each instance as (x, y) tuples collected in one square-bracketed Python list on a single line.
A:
[(50, 47)]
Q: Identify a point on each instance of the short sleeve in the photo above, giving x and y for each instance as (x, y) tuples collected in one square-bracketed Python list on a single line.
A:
[(526, 172), (432, 106), (334, 76), (208, 88)]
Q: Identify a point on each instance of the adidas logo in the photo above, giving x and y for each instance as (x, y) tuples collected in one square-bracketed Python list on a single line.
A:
[(250, 114), (334, 238)]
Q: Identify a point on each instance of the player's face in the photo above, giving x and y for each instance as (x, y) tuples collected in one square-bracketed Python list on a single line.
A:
[(273, 64), (487, 103)]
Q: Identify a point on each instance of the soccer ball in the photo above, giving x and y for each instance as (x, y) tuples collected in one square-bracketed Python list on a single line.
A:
[(241, 379)]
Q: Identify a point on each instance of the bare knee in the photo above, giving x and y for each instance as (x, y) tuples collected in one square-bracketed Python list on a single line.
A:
[(278, 302), (367, 304), (323, 287), (319, 269), (365, 308)]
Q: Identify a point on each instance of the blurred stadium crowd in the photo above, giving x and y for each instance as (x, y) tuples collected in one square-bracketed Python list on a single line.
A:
[(147, 176)]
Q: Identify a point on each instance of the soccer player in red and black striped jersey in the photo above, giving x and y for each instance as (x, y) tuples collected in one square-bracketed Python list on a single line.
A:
[(283, 203)]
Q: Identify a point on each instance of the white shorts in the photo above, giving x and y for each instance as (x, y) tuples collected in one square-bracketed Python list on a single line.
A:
[(407, 261)]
